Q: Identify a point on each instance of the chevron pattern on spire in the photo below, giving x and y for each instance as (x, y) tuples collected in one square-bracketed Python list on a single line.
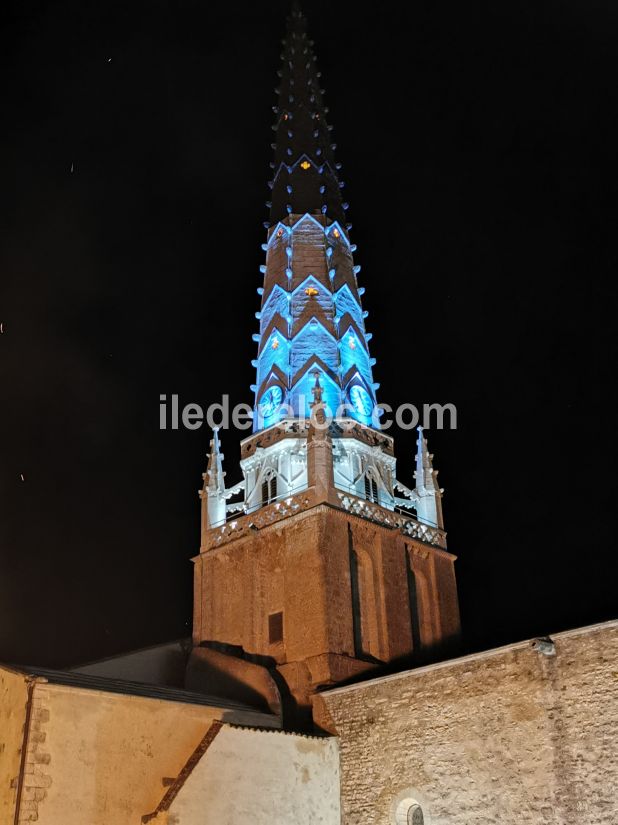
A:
[(311, 316)]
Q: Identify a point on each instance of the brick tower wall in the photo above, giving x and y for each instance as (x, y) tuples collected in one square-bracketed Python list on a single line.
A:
[(324, 595)]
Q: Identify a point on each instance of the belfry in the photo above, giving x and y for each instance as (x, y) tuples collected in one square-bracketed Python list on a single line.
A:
[(319, 565)]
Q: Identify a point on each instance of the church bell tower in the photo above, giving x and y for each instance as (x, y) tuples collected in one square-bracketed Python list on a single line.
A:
[(319, 565)]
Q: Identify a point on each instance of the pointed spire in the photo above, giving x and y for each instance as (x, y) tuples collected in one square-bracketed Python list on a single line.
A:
[(429, 506), (215, 475), (304, 153), (309, 262), (213, 494)]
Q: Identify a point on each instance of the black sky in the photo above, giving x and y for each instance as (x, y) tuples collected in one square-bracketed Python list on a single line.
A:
[(478, 145)]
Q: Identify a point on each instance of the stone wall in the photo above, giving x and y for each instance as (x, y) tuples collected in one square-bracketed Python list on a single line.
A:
[(13, 709), (511, 735), (73, 755), (93, 757), (251, 776)]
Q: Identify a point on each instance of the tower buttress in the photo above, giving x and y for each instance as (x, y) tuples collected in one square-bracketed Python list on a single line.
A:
[(319, 446)]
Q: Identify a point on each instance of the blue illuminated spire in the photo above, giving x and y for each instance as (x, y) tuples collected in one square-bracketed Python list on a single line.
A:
[(311, 316)]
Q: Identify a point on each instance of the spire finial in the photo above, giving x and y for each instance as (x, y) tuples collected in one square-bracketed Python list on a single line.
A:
[(213, 494), (214, 473), (423, 458), (429, 506)]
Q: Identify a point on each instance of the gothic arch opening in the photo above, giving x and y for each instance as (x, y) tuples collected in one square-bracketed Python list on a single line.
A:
[(371, 487), (415, 621), (364, 602), (422, 604), (269, 487)]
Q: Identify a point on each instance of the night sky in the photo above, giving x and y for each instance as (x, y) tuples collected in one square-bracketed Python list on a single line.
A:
[(478, 146)]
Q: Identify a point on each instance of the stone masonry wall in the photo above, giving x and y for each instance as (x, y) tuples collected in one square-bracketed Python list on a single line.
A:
[(13, 711), (506, 736), (36, 778), (92, 757)]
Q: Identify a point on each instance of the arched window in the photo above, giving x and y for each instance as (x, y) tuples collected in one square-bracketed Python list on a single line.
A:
[(413, 604), (269, 488), (371, 487), (408, 811), (415, 815), (364, 604)]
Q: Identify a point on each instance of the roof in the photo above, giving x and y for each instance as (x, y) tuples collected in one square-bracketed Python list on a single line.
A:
[(127, 688), (172, 644)]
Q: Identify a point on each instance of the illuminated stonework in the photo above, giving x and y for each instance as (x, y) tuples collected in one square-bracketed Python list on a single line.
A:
[(311, 307)]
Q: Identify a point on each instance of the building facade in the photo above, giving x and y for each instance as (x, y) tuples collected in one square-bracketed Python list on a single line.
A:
[(83, 750), (315, 574), (523, 734)]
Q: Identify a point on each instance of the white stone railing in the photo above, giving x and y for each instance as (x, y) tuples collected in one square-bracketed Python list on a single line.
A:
[(278, 510), (408, 526), (291, 505)]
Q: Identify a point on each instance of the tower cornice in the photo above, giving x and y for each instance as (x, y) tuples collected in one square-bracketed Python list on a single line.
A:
[(294, 507)]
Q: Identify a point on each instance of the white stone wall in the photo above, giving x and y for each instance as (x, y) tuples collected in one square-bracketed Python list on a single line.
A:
[(262, 778)]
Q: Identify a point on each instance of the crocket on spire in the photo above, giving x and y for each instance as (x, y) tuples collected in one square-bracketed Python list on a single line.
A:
[(305, 177)]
